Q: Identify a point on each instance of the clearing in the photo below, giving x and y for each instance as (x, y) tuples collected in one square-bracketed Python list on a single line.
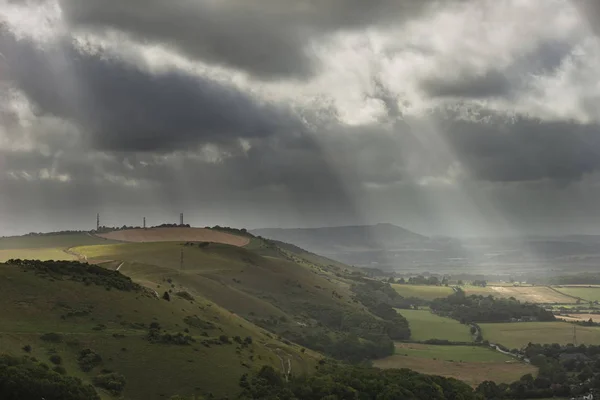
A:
[(426, 292), (176, 235), (472, 364), (519, 334), (426, 325)]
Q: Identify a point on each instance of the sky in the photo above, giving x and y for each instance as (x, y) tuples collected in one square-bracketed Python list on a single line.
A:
[(454, 117)]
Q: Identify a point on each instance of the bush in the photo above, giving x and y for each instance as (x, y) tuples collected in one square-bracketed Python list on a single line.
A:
[(27, 348), (224, 339), (59, 369), (166, 296), (56, 359), (113, 382), (52, 337), (23, 378), (88, 360)]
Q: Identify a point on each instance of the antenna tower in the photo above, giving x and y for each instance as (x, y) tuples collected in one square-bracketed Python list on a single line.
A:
[(181, 219), (98, 222), (144, 222)]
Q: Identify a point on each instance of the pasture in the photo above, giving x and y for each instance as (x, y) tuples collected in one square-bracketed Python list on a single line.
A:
[(585, 293), (472, 364), (425, 292), (426, 325), (519, 334)]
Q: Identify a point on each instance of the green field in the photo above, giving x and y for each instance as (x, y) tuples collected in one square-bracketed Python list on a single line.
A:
[(472, 364), (519, 334), (425, 325), (36, 254), (585, 293), (425, 292)]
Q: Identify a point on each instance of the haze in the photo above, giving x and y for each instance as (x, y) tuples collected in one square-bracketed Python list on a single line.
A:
[(459, 118)]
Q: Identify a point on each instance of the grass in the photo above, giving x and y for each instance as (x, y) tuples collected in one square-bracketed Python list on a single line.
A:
[(33, 305), (50, 241), (585, 293), (425, 325), (472, 364), (43, 254), (519, 334), (425, 292)]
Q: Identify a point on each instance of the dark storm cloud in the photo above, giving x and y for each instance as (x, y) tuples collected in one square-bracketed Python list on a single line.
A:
[(489, 84), (503, 149), (267, 38), (122, 107)]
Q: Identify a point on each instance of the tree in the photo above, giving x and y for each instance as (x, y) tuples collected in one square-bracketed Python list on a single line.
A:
[(166, 296)]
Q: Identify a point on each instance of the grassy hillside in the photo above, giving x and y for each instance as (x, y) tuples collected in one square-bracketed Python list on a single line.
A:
[(584, 293), (81, 312), (46, 247)]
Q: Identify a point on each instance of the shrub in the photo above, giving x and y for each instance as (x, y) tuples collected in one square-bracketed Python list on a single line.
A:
[(113, 382), (52, 337), (224, 339), (88, 359), (56, 359), (166, 296), (59, 369), (27, 348)]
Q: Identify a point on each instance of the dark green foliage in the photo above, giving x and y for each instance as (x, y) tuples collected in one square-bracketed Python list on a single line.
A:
[(52, 337), (156, 336), (24, 379), (475, 308), (166, 296), (56, 359), (79, 272), (224, 339), (347, 382), (113, 382), (88, 360), (59, 369), (27, 348)]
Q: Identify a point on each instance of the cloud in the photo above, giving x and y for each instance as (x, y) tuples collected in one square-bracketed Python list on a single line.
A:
[(122, 107), (489, 84), (269, 39)]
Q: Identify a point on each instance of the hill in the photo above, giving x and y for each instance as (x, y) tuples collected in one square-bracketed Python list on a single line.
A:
[(384, 246), (175, 234), (92, 322)]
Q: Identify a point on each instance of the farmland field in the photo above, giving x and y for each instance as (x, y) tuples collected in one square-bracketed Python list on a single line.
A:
[(519, 334), (426, 325), (532, 294), (176, 235), (585, 293), (471, 364), (426, 292)]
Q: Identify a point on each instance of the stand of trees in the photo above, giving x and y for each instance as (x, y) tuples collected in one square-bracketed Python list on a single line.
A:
[(563, 371), (26, 379), (475, 308), (352, 382), (79, 272)]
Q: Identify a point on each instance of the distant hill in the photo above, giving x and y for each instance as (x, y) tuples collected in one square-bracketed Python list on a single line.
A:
[(378, 236), (383, 246)]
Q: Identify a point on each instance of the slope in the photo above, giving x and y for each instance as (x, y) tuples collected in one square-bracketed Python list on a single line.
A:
[(196, 347)]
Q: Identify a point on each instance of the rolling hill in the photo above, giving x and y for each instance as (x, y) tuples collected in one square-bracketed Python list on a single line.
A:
[(383, 246)]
